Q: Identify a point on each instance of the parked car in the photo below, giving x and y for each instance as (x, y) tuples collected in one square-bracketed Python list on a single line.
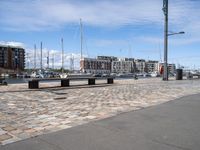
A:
[(96, 75), (105, 75)]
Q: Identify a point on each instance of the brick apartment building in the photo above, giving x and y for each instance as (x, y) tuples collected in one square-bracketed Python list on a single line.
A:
[(12, 58)]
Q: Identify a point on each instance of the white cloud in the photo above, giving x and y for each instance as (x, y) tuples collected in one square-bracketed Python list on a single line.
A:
[(39, 15), (55, 14), (52, 14), (44, 14), (12, 43)]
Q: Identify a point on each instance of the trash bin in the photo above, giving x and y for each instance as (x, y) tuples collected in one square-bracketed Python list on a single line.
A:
[(179, 74)]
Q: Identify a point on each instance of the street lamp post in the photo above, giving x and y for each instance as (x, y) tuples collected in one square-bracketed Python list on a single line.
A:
[(165, 10), (166, 34)]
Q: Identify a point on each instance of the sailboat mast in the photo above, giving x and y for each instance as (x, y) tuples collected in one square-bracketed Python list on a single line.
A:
[(35, 56), (81, 25), (62, 55), (53, 55), (41, 56), (48, 59)]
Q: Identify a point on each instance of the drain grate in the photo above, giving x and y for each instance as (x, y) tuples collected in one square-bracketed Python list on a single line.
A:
[(59, 98), (60, 93)]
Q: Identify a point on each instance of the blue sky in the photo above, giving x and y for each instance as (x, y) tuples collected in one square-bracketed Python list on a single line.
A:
[(128, 28)]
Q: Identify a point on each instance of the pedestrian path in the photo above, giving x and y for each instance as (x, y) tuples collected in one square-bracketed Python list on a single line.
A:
[(28, 113), (174, 125)]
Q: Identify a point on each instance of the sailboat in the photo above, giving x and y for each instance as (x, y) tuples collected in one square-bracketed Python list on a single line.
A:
[(63, 75)]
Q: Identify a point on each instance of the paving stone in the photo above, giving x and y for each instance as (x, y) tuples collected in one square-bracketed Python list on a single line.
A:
[(4, 137), (2, 132), (28, 113), (23, 136), (10, 141), (9, 128), (30, 131)]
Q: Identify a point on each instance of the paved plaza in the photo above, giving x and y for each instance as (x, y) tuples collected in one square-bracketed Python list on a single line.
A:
[(26, 113)]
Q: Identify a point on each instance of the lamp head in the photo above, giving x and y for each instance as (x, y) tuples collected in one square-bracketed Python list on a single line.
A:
[(182, 32)]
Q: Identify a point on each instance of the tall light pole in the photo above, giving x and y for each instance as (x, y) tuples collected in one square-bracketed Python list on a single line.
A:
[(165, 10), (166, 34)]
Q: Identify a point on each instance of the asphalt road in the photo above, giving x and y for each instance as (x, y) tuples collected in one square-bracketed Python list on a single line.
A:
[(174, 125)]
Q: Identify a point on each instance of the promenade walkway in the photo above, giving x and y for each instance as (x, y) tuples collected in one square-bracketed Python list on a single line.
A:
[(28, 113), (171, 126)]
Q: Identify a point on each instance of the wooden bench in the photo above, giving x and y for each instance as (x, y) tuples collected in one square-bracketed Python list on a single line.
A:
[(65, 82)]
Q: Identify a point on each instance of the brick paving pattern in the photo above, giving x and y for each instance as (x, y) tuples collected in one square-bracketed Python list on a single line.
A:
[(26, 113)]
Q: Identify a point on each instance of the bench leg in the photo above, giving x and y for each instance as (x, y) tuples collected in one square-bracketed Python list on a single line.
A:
[(5, 83), (91, 81), (110, 81), (64, 82), (33, 84)]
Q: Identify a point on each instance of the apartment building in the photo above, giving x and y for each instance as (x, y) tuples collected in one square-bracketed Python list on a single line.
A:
[(110, 64), (140, 65), (122, 66), (152, 66), (12, 58), (171, 67), (111, 58), (95, 66)]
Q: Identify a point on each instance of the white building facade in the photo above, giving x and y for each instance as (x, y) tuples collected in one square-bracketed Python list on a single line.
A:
[(140, 65), (152, 66), (171, 67), (95, 66), (122, 66)]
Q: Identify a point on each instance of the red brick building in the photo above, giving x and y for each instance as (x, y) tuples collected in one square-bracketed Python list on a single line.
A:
[(12, 58)]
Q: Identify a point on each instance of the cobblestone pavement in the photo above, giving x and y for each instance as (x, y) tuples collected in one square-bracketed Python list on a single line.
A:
[(26, 113)]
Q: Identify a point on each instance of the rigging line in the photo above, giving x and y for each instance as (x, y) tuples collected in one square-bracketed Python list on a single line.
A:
[(186, 57), (76, 32)]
